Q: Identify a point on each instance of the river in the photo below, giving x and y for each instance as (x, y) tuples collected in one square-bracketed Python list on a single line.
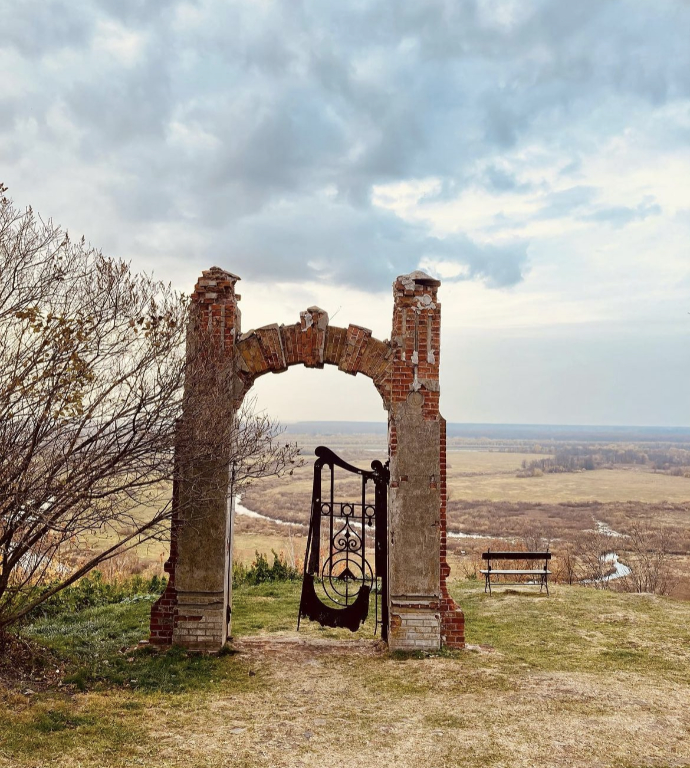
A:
[(620, 570)]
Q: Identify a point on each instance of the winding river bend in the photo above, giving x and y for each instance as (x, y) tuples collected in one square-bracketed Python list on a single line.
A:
[(240, 509), (618, 570)]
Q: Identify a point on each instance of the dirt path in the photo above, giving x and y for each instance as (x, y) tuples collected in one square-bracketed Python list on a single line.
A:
[(349, 703)]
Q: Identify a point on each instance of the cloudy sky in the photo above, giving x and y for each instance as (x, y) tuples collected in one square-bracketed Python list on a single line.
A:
[(533, 154)]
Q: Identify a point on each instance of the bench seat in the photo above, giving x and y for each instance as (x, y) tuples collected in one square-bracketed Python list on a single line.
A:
[(539, 572), (539, 576)]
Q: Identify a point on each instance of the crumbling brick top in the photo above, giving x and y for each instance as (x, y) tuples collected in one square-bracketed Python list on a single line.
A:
[(418, 277), (215, 286)]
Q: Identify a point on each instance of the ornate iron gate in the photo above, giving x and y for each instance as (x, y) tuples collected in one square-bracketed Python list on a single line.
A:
[(340, 578)]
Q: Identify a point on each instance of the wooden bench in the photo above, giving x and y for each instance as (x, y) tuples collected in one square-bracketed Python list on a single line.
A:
[(541, 574)]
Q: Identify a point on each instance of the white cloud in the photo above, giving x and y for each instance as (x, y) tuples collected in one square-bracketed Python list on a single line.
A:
[(533, 154), (125, 45)]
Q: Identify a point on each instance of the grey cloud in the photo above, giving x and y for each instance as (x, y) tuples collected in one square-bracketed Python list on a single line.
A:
[(573, 166), (293, 105), (8, 110), (567, 201), (131, 105), (311, 240), (580, 202), (501, 180), (37, 27), (619, 216), (138, 11)]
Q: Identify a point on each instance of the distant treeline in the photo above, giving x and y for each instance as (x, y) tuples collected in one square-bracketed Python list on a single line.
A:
[(510, 433), (578, 458)]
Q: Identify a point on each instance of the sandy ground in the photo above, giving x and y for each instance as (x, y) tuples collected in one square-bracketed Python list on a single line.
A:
[(350, 704)]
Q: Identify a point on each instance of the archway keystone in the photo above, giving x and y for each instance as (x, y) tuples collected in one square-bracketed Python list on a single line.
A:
[(194, 610)]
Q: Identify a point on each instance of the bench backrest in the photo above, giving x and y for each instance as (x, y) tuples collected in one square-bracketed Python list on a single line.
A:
[(516, 555)]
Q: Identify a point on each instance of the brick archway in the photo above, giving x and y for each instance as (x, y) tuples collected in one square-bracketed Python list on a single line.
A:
[(194, 610), (312, 342)]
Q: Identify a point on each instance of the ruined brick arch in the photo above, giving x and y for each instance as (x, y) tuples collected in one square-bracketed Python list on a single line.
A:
[(314, 343), (195, 609)]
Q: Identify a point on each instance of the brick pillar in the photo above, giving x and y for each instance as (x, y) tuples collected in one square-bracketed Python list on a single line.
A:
[(193, 610), (419, 602), (452, 617), (164, 610)]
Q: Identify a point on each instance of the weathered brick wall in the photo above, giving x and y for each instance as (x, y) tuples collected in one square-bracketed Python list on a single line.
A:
[(452, 617), (415, 626), (222, 366), (422, 612), (192, 610), (164, 610), (314, 343)]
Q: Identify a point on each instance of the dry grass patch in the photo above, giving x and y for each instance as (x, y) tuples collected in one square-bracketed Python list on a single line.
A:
[(633, 483), (583, 678)]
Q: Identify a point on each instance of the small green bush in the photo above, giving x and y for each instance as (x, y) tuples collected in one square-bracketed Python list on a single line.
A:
[(260, 572)]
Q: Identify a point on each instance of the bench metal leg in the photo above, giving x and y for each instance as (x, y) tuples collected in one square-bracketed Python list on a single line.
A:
[(544, 583)]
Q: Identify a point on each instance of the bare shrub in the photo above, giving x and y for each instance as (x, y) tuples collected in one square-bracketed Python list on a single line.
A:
[(565, 564), (536, 537), (92, 366), (121, 566), (648, 555), (470, 565), (590, 562)]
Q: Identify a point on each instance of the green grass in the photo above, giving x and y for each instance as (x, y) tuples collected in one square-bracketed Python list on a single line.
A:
[(121, 698), (100, 649), (578, 629), (273, 607), (100, 645), (573, 630), (270, 607), (54, 725)]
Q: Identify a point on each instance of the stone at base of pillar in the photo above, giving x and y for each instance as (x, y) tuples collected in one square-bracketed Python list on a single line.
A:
[(414, 625), (201, 621)]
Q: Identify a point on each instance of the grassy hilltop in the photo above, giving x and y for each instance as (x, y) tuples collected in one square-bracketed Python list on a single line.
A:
[(582, 678)]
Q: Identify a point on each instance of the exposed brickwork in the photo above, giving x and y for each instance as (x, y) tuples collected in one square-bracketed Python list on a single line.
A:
[(214, 307), (164, 610), (262, 350), (311, 340), (416, 340), (251, 356), (201, 626), (404, 370), (314, 343), (452, 618), (214, 328), (357, 338), (336, 338)]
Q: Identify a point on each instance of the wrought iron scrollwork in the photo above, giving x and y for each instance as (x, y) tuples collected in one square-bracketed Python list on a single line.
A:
[(339, 581)]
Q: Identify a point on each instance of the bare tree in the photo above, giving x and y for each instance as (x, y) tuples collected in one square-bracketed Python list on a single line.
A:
[(566, 565), (592, 550), (648, 555), (536, 536), (258, 447), (92, 365)]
